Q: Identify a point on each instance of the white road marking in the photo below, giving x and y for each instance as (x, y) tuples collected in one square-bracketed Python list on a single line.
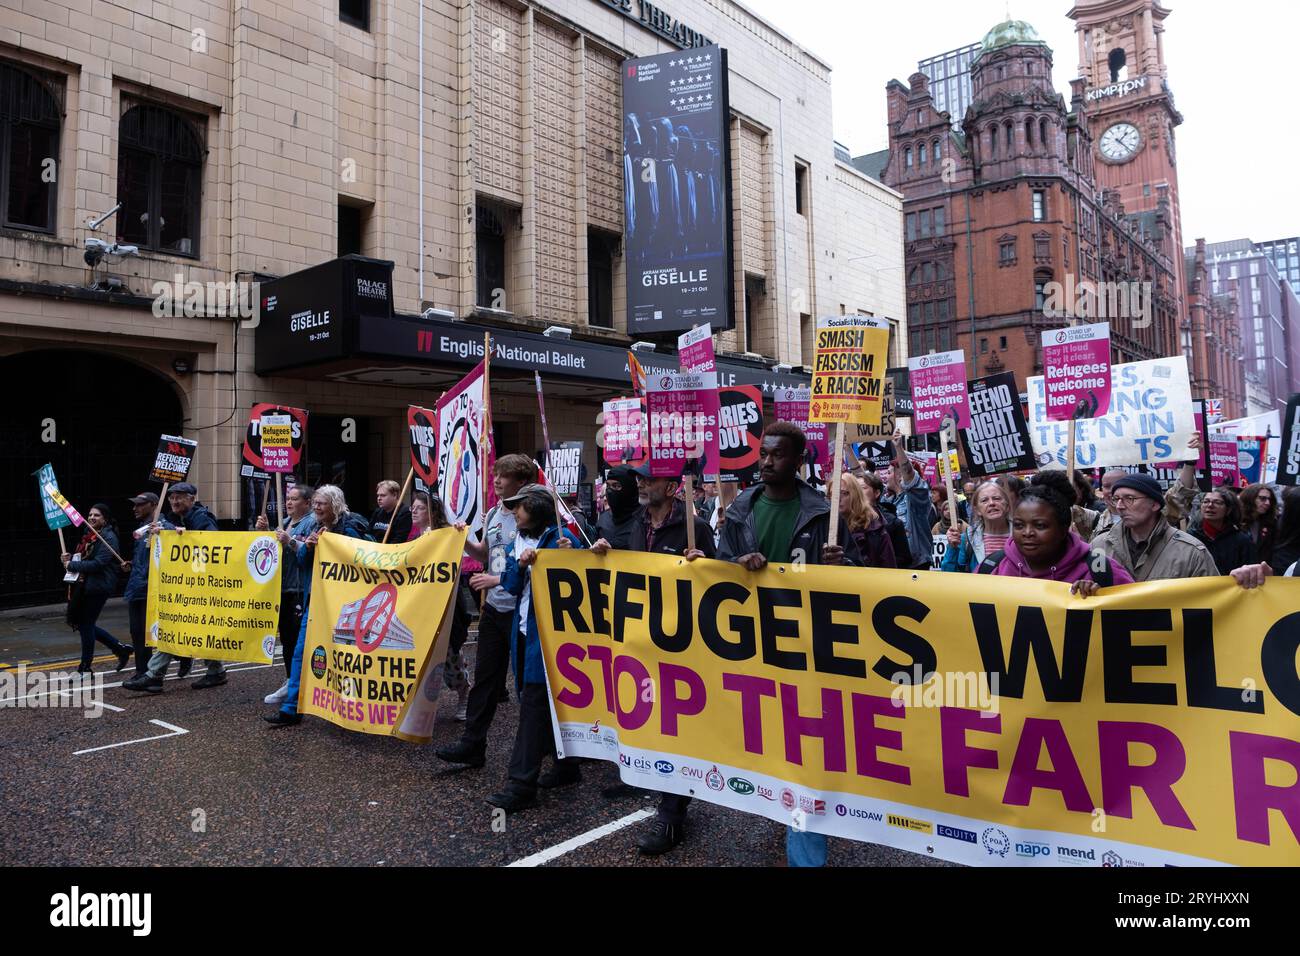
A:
[(232, 668), (173, 731), (582, 839)]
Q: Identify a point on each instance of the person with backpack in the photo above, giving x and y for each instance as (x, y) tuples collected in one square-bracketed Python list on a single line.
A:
[(98, 568), (989, 531), (1045, 546), (330, 509)]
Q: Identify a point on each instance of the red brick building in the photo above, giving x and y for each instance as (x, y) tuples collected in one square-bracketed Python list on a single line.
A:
[(1007, 231), (1211, 338)]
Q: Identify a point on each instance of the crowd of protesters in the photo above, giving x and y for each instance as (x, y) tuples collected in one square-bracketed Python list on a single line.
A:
[(1049, 526)]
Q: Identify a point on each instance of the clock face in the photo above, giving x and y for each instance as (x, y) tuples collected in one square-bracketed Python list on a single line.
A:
[(1120, 143)]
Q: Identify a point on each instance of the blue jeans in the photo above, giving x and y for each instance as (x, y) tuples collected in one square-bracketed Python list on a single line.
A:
[(290, 705), (803, 848), (91, 607)]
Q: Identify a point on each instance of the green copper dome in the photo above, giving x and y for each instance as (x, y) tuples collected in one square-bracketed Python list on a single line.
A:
[(1010, 33)]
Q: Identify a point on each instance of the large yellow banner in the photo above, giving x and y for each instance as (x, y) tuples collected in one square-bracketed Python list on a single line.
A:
[(214, 595), (376, 632), (984, 720)]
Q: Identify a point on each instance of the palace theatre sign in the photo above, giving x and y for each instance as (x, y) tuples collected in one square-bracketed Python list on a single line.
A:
[(662, 23)]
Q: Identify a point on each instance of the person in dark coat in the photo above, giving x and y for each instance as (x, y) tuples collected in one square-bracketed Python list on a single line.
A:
[(137, 583), (874, 488), (865, 525), (662, 530), (534, 508), (623, 509), (1220, 531), (95, 562), (390, 511)]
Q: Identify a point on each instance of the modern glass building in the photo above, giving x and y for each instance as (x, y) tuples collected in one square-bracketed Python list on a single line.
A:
[(1285, 254), (949, 75)]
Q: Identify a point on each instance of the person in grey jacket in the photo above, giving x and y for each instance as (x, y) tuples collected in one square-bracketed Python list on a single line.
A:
[(299, 522), (185, 514), (99, 568), (909, 495), (136, 594)]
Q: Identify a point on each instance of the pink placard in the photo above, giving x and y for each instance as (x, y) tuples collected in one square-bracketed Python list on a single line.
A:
[(1224, 467), (1076, 372), (695, 350), (791, 405), (938, 390), (680, 426), (622, 431)]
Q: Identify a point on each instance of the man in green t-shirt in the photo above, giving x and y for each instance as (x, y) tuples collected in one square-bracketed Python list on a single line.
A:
[(784, 520)]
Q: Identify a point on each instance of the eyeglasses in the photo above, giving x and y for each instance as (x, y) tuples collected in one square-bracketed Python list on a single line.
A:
[(1125, 501)]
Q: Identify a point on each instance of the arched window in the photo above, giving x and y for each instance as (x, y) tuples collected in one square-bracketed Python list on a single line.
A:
[(1044, 134), (1117, 61), (922, 157), (934, 151), (927, 272), (914, 275), (1042, 278), (1029, 133), (159, 179), (1011, 137), (30, 117), (907, 158), (993, 142)]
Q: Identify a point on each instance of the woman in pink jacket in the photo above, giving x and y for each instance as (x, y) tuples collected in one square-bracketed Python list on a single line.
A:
[(1044, 544)]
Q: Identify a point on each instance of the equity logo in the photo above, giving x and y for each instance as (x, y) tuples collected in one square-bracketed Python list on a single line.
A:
[(956, 833)]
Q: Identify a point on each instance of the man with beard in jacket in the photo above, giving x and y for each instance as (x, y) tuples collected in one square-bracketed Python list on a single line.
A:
[(620, 518), (783, 520)]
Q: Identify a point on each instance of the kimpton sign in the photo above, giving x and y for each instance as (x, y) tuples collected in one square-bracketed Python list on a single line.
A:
[(1117, 89)]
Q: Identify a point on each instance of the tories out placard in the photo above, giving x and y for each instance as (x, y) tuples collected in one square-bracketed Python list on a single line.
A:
[(938, 391), (1076, 362)]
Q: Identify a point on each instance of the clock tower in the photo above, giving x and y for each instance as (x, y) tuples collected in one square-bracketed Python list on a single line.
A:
[(1130, 109)]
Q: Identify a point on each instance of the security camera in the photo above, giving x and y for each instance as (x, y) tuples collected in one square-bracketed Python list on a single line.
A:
[(643, 346), (432, 313), (558, 332), (97, 249)]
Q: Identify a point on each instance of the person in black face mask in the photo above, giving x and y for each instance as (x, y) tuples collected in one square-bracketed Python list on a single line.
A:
[(616, 524)]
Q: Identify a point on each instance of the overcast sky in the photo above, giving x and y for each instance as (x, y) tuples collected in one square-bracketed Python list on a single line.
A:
[(1232, 69)]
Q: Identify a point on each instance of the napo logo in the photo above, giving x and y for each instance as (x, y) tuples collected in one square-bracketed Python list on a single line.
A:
[(318, 662), (741, 786), (663, 767), (996, 841), (268, 646), (714, 779), (263, 558)]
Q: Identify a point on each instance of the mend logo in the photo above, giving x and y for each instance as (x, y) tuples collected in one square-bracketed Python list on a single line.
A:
[(77, 909), (1071, 854)]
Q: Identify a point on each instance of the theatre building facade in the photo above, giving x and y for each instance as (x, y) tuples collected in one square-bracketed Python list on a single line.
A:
[(460, 167)]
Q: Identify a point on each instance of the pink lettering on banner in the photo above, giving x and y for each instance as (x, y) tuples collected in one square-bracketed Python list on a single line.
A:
[(1076, 372), (695, 350), (1156, 779), (791, 405), (1253, 796), (938, 391), (681, 425), (623, 427)]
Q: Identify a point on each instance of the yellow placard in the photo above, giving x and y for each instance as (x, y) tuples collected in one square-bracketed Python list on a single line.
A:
[(214, 595), (848, 371), (376, 627), (981, 719), (277, 436)]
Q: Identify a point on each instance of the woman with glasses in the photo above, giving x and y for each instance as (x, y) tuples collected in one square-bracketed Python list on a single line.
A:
[(1220, 531)]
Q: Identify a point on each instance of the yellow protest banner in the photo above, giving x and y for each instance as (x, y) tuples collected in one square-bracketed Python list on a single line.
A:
[(376, 632), (214, 595), (1004, 723), (849, 370)]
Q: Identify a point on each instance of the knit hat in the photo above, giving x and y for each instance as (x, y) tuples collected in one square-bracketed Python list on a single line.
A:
[(1143, 484)]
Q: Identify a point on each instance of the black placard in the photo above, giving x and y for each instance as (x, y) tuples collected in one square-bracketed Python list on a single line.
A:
[(1288, 462), (998, 439)]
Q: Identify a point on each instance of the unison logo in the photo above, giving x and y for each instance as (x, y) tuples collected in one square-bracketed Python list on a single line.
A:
[(76, 909)]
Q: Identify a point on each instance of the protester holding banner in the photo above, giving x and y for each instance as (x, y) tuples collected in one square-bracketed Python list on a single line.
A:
[(1259, 517), (989, 530), (1044, 544), (1219, 529), (330, 510), (136, 594), (184, 513), (874, 490), (865, 525), (98, 568), (1286, 547), (909, 498), (662, 530), (534, 510), (492, 659), (1144, 542), (300, 522), (780, 520), (429, 514), (390, 511)]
